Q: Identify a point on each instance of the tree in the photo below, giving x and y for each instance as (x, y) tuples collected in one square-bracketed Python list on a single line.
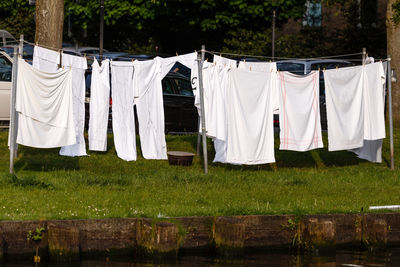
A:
[(17, 17), (49, 23), (393, 49)]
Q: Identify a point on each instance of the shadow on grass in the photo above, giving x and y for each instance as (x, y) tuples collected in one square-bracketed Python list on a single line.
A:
[(33, 159), (320, 158), (29, 181)]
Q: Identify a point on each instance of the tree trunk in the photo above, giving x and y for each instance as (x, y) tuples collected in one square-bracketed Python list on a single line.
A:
[(49, 23), (393, 49)]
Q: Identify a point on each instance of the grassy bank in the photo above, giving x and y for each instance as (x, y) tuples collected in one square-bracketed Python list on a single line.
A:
[(48, 186)]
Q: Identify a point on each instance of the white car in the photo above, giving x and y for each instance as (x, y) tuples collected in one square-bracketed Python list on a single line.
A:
[(5, 85)]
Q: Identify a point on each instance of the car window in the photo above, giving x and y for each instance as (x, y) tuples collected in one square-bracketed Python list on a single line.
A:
[(184, 87), (296, 68), (5, 69), (167, 87), (329, 65)]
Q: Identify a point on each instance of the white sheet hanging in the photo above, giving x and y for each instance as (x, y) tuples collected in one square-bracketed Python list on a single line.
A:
[(250, 137), (226, 62), (215, 76), (149, 105), (258, 66), (345, 108), (299, 116), (44, 104), (123, 117), (99, 105), (374, 101), (78, 65), (374, 121), (265, 67), (45, 59)]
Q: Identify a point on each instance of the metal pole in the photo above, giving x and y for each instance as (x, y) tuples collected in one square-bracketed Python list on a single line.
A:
[(20, 55), (12, 110), (389, 71), (101, 29), (364, 55), (273, 34), (200, 60), (198, 137), (13, 114)]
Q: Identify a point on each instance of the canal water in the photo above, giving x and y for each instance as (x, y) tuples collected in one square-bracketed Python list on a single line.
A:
[(345, 258)]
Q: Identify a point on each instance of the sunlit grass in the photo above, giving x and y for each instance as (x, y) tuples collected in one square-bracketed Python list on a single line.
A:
[(48, 186)]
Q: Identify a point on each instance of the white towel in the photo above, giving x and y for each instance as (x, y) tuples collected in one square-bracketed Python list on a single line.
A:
[(99, 105), (345, 108), (299, 114), (44, 104), (123, 117), (45, 59), (149, 104), (78, 65), (250, 138)]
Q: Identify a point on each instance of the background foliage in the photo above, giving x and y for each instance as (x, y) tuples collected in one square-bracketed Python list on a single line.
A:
[(240, 26)]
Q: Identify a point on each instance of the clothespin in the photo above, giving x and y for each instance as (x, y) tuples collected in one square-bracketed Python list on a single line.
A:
[(319, 69), (250, 68), (176, 53), (84, 55), (324, 70), (337, 67)]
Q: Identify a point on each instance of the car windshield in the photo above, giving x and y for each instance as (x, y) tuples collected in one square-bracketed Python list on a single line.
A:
[(296, 68)]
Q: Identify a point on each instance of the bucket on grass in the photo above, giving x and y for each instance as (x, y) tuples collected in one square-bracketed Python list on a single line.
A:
[(180, 158)]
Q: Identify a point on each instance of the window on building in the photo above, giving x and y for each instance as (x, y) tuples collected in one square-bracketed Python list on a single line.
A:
[(313, 15)]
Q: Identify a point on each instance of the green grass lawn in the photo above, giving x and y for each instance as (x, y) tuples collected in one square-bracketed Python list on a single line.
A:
[(48, 186)]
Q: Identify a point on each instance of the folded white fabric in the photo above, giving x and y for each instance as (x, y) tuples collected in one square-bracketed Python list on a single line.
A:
[(45, 59), (250, 135), (78, 65), (345, 108), (99, 105), (299, 114), (123, 117), (44, 104), (149, 105)]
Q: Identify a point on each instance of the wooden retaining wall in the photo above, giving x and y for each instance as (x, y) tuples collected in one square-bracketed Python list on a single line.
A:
[(67, 240)]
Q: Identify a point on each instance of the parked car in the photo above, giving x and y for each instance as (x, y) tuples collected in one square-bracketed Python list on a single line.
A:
[(179, 111), (7, 38), (27, 52), (303, 67), (5, 85)]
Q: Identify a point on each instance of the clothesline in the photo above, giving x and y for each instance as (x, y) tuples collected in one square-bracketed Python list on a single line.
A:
[(231, 54), (266, 57)]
